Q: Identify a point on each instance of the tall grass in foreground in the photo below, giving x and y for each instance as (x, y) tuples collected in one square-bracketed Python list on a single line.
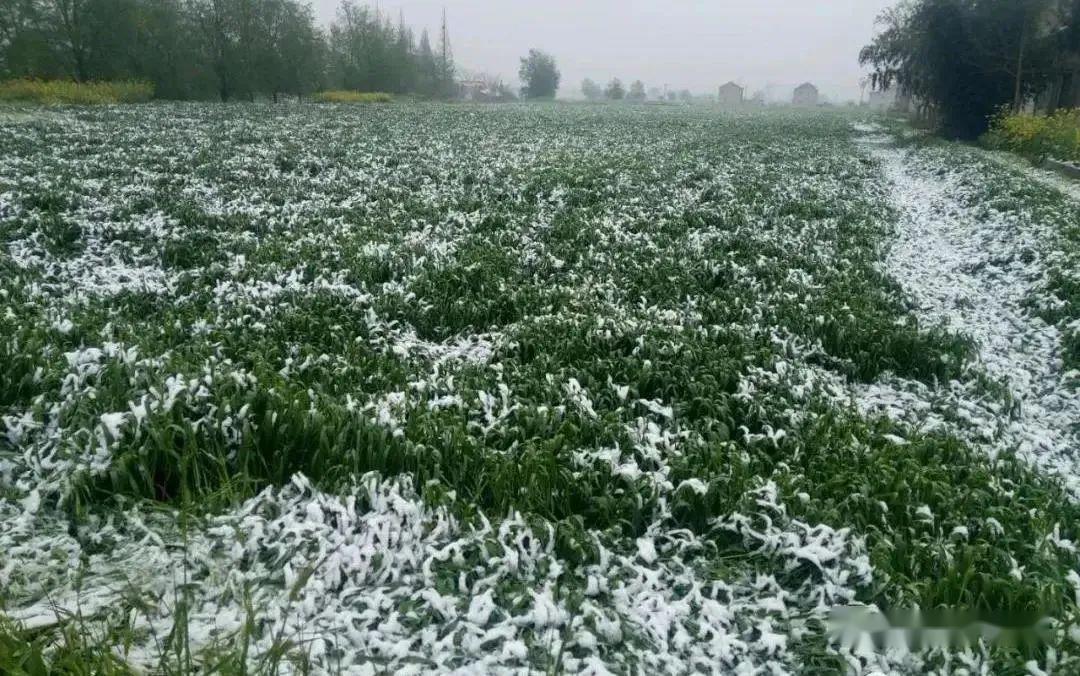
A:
[(348, 96), (53, 92)]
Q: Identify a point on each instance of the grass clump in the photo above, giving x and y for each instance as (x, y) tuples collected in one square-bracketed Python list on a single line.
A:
[(68, 92), (1038, 136), (24, 653), (349, 96)]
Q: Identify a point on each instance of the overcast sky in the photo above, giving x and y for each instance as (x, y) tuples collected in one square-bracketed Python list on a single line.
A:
[(692, 44)]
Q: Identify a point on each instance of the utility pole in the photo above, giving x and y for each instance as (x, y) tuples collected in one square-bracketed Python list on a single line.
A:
[(446, 58)]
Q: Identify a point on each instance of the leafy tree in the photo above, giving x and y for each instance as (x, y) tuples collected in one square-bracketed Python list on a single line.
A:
[(217, 22), (591, 90), (615, 90), (26, 41), (963, 59), (539, 75), (92, 37), (293, 50), (406, 58), (165, 53), (427, 71), (637, 91), (367, 52), (226, 49)]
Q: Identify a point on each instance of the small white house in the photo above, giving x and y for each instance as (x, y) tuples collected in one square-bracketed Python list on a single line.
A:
[(475, 90), (730, 95), (806, 94)]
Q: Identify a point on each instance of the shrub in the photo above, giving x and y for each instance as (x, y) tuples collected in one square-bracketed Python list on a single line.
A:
[(348, 96), (51, 92), (1038, 136)]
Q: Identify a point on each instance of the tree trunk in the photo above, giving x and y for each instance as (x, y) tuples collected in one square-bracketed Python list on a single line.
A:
[(1018, 94), (1065, 97), (81, 74)]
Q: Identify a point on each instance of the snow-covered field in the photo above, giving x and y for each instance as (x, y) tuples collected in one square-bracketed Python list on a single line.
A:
[(429, 389)]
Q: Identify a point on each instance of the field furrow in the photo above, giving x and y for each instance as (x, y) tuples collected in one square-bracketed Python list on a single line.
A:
[(975, 268)]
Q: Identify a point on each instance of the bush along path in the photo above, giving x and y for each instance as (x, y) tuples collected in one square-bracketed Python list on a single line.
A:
[(539, 388)]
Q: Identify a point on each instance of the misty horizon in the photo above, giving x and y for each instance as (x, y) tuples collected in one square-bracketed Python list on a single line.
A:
[(699, 46)]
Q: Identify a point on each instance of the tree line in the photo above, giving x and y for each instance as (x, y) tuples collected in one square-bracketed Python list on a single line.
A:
[(226, 49), (961, 61), (615, 90)]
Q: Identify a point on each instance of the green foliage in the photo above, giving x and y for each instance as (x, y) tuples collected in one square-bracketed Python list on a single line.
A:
[(55, 92), (591, 90), (615, 91), (540, 75), (964, 59), (1038, 137), (344, 96), (225, 49), (66, 653)]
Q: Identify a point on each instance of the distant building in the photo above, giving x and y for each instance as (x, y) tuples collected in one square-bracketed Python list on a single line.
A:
[(730, 95), (806, 94), (475, 90)]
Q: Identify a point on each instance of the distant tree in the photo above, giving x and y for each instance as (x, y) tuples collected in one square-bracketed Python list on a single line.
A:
[(405, 57), (445, 74), (615, 90), (656, 93), (220, 44), (686, 96), (591, 90), (637, 91), (93, 36), (539, 75), (227, 49), (70, 19), (427, 67), (27, 41), (167, 50), (295, 52)]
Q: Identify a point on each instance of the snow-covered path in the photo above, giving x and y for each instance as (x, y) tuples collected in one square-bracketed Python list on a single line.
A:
[(972, 270)]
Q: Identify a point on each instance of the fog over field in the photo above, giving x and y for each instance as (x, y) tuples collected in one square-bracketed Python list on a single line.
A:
[(696, 45)]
